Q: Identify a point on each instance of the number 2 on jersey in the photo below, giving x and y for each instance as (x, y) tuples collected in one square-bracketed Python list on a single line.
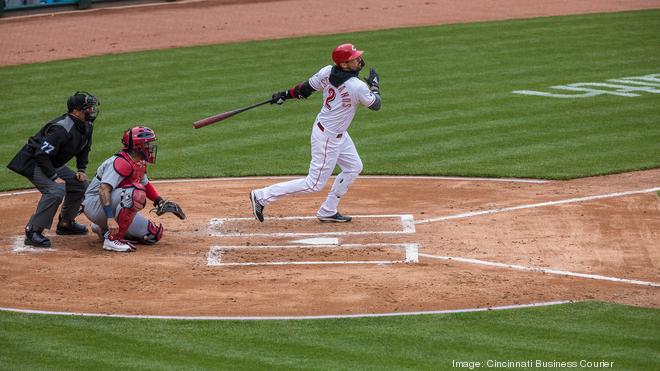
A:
[(331, 96)]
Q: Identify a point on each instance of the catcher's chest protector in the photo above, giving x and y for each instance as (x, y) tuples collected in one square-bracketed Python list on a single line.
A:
[(132, 171)]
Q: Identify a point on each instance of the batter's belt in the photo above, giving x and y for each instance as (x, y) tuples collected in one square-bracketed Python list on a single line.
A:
[(323, 130)]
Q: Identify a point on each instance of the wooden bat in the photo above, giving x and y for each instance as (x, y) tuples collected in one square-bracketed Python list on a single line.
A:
[(225, 115)]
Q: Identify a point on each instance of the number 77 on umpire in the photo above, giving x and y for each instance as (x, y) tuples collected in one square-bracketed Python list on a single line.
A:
[(331, 144)]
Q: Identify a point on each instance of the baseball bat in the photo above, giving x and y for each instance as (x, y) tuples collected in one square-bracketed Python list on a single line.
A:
[(225, 115)]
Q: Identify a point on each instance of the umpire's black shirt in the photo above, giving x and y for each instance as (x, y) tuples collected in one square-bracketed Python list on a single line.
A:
[(54, 145)]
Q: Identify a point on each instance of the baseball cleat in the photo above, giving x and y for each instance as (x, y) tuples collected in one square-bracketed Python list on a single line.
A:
[(118, 245), (70, 228), (257, 208), (337, 218)]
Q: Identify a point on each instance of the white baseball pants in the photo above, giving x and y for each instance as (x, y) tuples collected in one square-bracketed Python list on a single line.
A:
[(327, 151)]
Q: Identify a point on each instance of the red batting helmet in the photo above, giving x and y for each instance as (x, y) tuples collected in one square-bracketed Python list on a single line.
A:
[(345, 52), (140, 139)]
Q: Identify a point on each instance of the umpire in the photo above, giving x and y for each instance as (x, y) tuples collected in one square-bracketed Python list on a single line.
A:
[(43, 162)]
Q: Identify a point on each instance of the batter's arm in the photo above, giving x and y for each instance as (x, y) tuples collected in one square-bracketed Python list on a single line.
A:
[(300, 91), (375, 106), (373, 82)]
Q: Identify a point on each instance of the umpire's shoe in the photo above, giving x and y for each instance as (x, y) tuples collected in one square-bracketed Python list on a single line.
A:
[(35, 238), (70, 227), (257, 208), (337, 218)]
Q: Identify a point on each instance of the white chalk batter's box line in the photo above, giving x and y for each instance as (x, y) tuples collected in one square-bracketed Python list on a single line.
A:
[(411, 254), (19, 246), (407, 227), (540, 270)]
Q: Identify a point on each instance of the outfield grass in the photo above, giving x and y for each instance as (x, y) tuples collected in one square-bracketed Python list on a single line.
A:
[(448, 110), (448, 107), (591, 331)]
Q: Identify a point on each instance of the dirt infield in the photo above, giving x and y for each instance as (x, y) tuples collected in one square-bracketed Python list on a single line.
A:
[(613, 236), (165, 25), (478, 242)]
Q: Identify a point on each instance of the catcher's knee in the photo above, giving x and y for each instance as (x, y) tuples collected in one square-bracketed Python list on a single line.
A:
[(133, 199), (154, 234)]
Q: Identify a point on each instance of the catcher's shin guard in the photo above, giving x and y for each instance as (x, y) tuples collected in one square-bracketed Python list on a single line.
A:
[(154, 234), (132, 201)]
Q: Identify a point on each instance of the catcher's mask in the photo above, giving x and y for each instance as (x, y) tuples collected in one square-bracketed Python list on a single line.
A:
[(141, 139), (86, 102), (347, 52)]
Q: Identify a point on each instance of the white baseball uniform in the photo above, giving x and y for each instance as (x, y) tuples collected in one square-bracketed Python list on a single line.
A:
[(330, 144)]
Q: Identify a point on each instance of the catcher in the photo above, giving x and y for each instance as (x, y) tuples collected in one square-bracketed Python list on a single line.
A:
[(120, 190)]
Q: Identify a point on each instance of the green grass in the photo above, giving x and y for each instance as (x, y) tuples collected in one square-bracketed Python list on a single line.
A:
[(627, 336), (448, 110), (447, 102)]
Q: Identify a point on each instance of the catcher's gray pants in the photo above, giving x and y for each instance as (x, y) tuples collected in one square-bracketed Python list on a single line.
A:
[(52, 194), (94, 212)]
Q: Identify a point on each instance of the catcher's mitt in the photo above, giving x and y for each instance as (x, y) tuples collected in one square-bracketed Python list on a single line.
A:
[(162, 206)]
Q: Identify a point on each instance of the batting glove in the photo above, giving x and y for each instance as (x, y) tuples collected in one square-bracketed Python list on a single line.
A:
[(373, 81), (278, 98)]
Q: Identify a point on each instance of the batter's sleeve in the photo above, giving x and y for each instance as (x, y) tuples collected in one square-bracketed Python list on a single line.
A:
[(316, 81), (364, 95)]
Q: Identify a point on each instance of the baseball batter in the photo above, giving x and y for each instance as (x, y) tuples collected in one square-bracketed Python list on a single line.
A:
[(120, 190), (331, 144)]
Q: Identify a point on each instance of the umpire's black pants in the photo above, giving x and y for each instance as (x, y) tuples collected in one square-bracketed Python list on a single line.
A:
[(52, 194)]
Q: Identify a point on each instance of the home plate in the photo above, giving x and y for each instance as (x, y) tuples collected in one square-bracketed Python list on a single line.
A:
[(318, 241)]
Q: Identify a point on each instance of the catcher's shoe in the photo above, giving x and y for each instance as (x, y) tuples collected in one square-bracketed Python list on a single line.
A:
[(118, 245), (257, 208), (70, 227), (337, 218), (96, 229), (36, 239)]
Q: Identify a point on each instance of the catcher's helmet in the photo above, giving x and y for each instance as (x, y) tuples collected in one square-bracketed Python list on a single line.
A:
[(345, 52), (141, 140), (83, 101)]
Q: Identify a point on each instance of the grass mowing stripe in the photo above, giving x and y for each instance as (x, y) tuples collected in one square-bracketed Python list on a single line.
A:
[(591, 331), (446, 90)]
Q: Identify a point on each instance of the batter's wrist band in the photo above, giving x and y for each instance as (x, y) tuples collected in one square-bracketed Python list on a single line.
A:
[(108, 211)]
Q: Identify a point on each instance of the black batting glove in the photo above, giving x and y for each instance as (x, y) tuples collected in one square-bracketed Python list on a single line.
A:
[(279, 97), (373, 81)]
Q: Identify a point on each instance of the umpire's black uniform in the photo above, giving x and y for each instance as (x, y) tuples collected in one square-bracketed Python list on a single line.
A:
[(43, 160)]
